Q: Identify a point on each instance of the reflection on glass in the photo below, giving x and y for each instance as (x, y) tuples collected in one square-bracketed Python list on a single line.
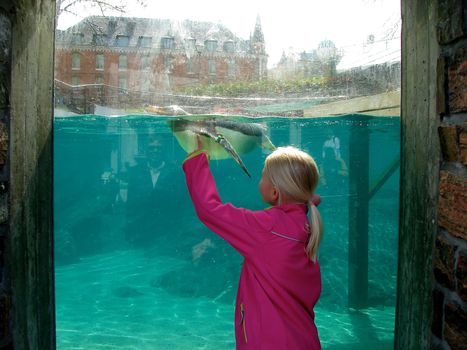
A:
[(130, 248), (134, 266)]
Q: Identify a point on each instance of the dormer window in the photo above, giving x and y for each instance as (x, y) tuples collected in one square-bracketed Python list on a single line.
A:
[(99, 39), (144, 41), (130, 28), (77, 38), (123, 40), (229, 46), (191, 44), (112, 26), (211, 45), (167, 42)]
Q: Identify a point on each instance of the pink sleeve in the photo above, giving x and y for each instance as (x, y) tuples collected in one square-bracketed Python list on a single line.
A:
[(240, 227)]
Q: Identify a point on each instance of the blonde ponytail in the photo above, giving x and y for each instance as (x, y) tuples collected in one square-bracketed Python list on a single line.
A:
[(316, 233), (295, 174)]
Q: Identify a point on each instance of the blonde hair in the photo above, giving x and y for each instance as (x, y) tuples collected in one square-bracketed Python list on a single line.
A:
[(295, 175)]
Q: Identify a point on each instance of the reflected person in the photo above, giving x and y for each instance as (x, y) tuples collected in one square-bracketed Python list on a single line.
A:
[(332, 162)]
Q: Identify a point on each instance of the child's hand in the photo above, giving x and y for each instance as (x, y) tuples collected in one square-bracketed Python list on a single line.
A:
[(199, 143), (199, 147)]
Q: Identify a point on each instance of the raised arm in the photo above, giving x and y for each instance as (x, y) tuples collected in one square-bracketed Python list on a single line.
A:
[(242, 228)]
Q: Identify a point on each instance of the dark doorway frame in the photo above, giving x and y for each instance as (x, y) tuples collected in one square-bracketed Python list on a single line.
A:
[(30, 244)]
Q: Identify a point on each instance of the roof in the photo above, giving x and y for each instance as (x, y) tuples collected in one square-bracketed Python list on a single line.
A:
[(134, 28)]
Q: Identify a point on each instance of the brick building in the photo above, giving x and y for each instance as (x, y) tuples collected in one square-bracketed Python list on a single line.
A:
[(156, 55)]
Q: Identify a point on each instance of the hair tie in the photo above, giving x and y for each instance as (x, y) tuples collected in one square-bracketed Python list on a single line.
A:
[(314, 200)]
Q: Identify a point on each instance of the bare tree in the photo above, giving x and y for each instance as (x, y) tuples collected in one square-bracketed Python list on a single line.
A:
[(103, 6)]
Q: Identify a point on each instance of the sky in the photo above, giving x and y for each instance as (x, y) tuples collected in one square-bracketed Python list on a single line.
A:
[(288, 25)]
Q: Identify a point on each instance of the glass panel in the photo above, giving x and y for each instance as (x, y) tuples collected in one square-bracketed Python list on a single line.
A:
[(167, 43), (211, 45), (229, 46), (145, 41), (100, 62), (122, 62), (122, 82), (122, 40), (76, 61), (99, 39), (135, 268)]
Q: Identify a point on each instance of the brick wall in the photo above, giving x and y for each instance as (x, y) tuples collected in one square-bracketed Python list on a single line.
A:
[(5, 289), (450, 252)]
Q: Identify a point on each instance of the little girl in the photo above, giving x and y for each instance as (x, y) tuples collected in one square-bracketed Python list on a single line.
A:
[(280, 281)]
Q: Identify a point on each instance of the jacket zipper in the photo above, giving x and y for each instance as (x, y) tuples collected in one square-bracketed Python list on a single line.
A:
[(242, 312)]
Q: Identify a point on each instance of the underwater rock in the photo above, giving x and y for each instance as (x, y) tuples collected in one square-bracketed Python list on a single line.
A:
[(213, 274)]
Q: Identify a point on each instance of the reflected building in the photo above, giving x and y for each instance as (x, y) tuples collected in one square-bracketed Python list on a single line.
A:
[(156, 55)]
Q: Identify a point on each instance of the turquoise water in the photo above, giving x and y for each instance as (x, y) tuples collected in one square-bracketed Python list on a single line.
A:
[(135, 269)]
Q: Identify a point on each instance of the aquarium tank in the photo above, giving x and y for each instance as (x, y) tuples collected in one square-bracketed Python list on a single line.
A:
[(134, 266)]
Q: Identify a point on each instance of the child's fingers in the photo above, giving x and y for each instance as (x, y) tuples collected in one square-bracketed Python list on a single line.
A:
[(199, 142)]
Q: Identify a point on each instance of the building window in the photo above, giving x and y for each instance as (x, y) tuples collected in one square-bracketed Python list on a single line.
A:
[(212, 67), (190, 67), (75, 80), (75, 61), (122, 62), (99, 79), (122, 82), (168, 64), (100, 61), (167, 42), (229, 46), (144, 41), (190, 44), (99, 39), (145, 62), (77, 39), (211, 45), (123, 40), (231, 68)]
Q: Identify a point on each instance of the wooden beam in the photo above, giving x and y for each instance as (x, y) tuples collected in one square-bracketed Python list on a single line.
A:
[(386, 104)]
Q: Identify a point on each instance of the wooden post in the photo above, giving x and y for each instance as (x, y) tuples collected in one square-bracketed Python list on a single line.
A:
[(419, 173), (30, 246), (359, 144)]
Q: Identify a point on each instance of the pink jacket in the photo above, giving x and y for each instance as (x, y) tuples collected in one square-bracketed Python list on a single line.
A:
[(279, 285)]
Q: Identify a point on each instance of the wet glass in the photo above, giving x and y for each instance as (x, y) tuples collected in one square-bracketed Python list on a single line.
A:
[(135, 268)]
